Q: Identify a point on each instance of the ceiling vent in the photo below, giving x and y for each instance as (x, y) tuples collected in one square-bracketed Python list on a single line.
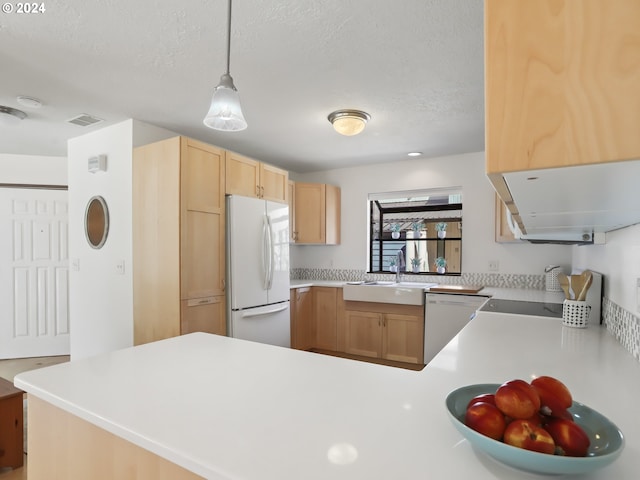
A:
[(85, 120)]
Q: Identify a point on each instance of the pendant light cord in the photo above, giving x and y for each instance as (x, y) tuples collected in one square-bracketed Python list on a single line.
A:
[(228, 37)]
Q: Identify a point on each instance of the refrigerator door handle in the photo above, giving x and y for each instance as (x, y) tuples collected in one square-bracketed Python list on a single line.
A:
[(266, 255), (265, 312), (270, 253)]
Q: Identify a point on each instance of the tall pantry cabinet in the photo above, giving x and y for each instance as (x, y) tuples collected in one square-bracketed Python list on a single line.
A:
[(178, 239)]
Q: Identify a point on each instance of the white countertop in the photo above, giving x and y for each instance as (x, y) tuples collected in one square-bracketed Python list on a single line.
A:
[(495, 292), (231, 409)]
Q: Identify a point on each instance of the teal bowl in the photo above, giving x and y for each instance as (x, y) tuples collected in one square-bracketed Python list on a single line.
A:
[(607, 440)]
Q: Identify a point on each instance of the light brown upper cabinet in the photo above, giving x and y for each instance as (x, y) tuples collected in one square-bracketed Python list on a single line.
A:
[(178, 239), (317, 214), (251, 178), (561, 90), (561, 82)]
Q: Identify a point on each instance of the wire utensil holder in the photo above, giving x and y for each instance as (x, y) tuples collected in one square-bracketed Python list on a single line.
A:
[(575, 313)]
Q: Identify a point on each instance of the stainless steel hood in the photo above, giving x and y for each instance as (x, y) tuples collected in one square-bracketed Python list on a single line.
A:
[(572, 204)]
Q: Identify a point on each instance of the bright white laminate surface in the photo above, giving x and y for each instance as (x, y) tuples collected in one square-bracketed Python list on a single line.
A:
[(227, 408)]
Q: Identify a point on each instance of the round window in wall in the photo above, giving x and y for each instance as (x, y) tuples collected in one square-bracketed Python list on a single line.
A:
[(96, 222)]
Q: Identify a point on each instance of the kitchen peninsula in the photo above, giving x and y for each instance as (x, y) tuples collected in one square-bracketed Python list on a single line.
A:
[(222, 408)]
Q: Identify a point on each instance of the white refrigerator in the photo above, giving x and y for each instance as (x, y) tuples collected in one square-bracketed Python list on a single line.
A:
[(258, 270)]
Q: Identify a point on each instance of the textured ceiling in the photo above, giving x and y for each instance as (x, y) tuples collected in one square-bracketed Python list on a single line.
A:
[(416, 66)]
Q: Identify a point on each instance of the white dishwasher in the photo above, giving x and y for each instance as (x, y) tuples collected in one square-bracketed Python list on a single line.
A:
[(445, 314)]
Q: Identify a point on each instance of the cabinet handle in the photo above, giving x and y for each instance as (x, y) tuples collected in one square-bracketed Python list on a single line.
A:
[(224, 284), (262, 191), (258, 191)]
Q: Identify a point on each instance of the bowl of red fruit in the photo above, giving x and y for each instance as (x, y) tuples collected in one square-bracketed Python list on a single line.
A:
[(534, 426)]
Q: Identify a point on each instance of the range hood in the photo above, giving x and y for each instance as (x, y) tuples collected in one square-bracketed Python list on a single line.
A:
[(571, 205), (567, 237)]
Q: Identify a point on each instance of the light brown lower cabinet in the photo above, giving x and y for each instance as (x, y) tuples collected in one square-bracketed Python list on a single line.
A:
[(62, 446), (302, 319), (203, 315), (387, 331), (325, 311)]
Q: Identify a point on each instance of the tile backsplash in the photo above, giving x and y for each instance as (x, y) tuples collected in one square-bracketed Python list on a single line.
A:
[(620, 323), (536, 282), (623, 325)]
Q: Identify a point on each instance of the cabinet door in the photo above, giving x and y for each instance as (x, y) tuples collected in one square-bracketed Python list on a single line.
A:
[(202, 220), (302, 319), (561, 86), (325, 313), (156, 241), (274, 183), (203, 315), (310, 212), (403, 338), (242, 175), (363, 334)]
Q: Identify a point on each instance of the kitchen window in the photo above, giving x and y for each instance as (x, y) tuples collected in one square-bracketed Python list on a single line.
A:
[(416, 232)]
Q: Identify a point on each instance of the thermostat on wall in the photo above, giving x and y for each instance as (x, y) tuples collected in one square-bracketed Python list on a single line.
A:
[(98, 164)]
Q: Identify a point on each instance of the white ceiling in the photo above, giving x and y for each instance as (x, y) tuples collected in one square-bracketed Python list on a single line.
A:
[(416, 66)]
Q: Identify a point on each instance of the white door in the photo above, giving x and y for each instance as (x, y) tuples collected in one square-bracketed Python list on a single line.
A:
[(34, 271)]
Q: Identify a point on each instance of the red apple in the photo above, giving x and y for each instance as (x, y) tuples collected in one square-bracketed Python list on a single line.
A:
[(485, 397), (517, 399), (569, 437), (555, 397), (526, 434), (486, 419)]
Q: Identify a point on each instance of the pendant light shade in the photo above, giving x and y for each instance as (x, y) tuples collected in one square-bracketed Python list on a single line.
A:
[(225, 113)]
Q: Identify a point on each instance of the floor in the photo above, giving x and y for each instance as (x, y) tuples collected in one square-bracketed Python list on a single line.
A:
[(8, 370)]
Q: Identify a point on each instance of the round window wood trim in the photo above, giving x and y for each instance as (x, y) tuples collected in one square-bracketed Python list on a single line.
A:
[(96, 222)]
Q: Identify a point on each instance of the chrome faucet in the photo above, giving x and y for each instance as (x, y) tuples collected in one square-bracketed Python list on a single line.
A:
[(399, 262)]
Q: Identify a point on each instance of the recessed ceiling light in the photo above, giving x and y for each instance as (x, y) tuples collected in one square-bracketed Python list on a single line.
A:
[(414, 154), (29, 102)]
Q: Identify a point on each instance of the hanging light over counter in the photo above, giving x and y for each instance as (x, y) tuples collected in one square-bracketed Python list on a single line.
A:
[(225, 113)]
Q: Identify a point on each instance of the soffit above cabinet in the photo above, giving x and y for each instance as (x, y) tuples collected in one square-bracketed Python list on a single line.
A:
[(598, 197)]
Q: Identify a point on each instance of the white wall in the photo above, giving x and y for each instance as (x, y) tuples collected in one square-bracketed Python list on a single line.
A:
[(478, 245), (101, 299), (619, 261), (33, 169)]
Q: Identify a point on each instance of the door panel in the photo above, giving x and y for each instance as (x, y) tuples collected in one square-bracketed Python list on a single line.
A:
[(363, 336), (34, 283), (403, 338)]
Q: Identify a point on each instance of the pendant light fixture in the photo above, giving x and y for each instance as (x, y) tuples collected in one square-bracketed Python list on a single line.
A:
[(348, 122), (225, 113), (10, 116)]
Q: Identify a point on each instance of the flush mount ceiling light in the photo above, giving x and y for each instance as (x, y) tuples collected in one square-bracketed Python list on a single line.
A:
[(11, 116), (349, 122), (225, 113), (29, 102)]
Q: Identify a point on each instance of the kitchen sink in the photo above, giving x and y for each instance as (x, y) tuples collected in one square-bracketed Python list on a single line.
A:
[(405, 293)]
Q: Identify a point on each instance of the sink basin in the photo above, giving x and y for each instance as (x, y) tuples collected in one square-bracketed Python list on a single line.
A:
[(404, 293)]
